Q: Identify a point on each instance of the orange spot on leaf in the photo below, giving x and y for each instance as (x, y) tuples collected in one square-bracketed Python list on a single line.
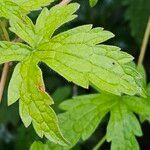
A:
[(41, 88)]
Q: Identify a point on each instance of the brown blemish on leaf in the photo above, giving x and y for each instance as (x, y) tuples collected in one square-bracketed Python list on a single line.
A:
[(41, 88)]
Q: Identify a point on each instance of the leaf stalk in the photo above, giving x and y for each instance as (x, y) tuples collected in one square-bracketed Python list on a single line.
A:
[(6, 65), (144, 43), (100, 143)]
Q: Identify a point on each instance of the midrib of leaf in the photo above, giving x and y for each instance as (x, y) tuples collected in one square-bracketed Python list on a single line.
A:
[(55, 51), (28, 85), (87, 73)]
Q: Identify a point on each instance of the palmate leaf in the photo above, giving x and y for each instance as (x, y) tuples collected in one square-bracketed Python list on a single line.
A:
[(80, 120), (8, 8), (74, 54), (77, 53)]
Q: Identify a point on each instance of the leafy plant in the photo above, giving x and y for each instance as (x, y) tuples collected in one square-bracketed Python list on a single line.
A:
[(78, 56), (84, 114)]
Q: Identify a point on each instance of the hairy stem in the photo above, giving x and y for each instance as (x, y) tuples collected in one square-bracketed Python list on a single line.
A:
[(144, 43), (6, 65), (100, 143)]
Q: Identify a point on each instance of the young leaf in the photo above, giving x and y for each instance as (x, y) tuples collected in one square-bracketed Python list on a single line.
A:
[(49, 21), (93, 2)]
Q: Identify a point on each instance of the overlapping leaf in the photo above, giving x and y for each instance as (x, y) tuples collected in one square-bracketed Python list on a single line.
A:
[(74, 54), (8, 8), (29, 5), (80, 120), (27, 85)]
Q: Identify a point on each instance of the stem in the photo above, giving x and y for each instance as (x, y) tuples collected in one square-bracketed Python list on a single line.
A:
[(6, 65), (64, 2), (144, 43), (100, 143), (3, 79)]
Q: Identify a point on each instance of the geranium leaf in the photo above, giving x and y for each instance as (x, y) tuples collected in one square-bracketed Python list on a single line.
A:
[(76, 55), (36, 102), (66, 51), (14, 86), (10, 51), (122, 127), (9, 8), (29, 5)]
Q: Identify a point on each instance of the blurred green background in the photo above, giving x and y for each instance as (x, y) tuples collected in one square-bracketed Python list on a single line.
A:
[(127, 19)]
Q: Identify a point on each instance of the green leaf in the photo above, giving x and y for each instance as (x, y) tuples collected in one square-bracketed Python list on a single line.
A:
[(38, 146), (77, 47), (138, 17), (34, 103), (29, 5), (9, 8), (10, 51), (50, 20), (14, 86), (140, 106), (93, 2), (84, 113), (142, 71), (122, 128), (24, 28), (76, 55), (66, 51), (47, 146)]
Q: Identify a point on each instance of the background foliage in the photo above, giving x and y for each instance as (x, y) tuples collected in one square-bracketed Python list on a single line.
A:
[(127, 19)]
